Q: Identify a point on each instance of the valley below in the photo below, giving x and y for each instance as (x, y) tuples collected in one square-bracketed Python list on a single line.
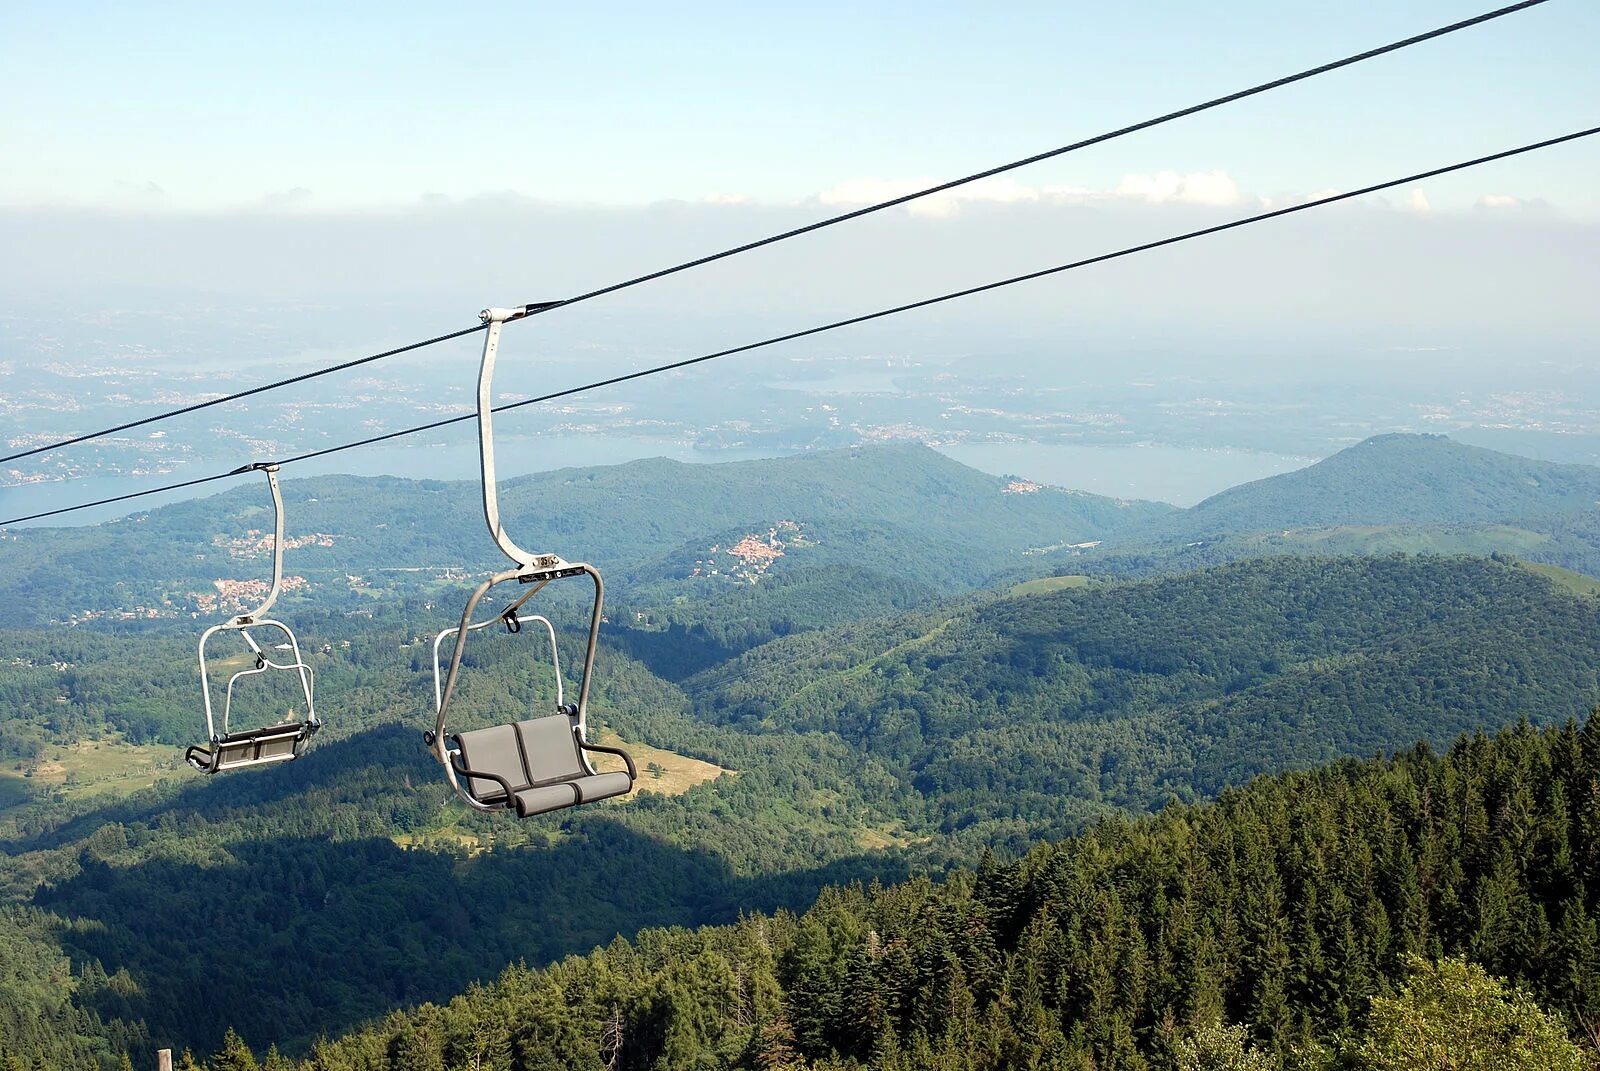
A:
[(910, 734)]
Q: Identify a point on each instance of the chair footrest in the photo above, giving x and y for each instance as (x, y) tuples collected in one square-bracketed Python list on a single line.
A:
[(251, 747)]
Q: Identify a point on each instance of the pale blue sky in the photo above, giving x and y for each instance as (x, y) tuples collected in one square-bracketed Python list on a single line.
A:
[(207, 106)]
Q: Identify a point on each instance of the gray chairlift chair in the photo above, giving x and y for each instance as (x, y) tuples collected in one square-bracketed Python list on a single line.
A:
[(234, 749), (540, 764)]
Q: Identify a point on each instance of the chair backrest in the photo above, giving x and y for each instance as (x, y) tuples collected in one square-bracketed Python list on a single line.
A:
[(492, 751), (550, 749), (540, 751)]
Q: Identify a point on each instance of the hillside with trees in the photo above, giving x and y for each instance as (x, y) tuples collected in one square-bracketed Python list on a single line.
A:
[(931, 523), (869, 750), (1397, 479), (1026, 714), (1391, 494), (1358, 916)]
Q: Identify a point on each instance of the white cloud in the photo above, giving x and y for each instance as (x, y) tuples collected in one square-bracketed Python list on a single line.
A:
[(140, 191), (1211, 188), (998, 190), (1206, 189), (865, 191), (298, 197), (725, 199)]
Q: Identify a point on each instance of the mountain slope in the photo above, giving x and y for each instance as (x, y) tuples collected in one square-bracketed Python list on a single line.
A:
[(1287, 907), (1017, 713), (1396, 479), (859, 749), (903, 512)]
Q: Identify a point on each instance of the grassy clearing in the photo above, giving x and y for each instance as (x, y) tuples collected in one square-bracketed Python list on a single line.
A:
[(91, 768), (1046, 584), (1577, 583), (449, 836), (663, 772), (884, 838)]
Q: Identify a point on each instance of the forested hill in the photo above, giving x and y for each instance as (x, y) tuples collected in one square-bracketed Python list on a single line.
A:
[(855, 750), (905, 513), (1295, 907), (1396, 479), (1013, 716), (1412, 494)]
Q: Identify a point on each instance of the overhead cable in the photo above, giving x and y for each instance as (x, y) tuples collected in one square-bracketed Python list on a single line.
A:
[(1098, 139)]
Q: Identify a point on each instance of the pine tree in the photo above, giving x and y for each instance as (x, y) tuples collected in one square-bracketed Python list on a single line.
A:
[(235, 1055)]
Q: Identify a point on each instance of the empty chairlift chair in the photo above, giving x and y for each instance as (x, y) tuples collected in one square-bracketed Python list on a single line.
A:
[(540, 763), (233, 749)]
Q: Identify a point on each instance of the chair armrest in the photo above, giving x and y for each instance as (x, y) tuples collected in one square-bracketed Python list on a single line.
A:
[(501, 781), (633, 773), (189, 757)]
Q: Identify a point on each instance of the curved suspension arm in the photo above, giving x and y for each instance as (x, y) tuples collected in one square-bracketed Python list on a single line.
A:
[(491, 492), (271, 469)]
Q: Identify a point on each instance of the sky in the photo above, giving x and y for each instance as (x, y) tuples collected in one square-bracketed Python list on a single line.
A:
[(348, 177), (260, 188), (298, 107)]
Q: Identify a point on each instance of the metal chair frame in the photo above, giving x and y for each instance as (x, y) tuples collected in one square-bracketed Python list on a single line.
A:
[(274, 743), (528, 569)]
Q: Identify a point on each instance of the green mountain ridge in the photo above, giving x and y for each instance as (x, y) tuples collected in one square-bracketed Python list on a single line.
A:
[(905, 512), (1399, 493), (1397, 479)]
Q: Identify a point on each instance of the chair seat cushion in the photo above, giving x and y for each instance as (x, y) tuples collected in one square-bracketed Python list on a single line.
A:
[(544, 798), (602, 786)]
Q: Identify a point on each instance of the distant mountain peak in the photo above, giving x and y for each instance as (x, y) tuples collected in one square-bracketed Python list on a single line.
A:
[(1398, 478)]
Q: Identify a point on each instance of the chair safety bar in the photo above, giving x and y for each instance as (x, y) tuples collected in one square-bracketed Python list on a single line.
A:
[(520, 619)]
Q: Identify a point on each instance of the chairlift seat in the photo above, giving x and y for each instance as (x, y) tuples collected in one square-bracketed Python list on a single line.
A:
[(252, 747), (236, 749), (535, 766)]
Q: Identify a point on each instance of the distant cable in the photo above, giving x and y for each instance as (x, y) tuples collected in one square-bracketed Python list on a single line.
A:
[(123, 498), (262, 389), (836, 324), (1110, 135), (1098, 139)]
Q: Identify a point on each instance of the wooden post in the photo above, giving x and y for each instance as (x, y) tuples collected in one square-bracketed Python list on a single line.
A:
[(163, 1060)]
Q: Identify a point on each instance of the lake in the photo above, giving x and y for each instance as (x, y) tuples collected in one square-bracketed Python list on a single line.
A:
[(1178, 474)]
